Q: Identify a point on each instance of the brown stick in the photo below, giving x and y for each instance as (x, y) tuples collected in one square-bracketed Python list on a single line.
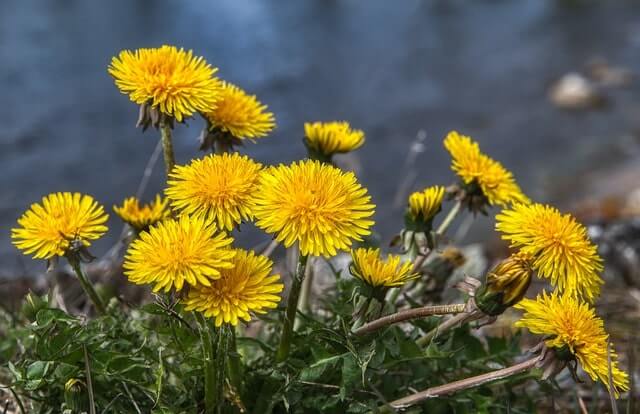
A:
[(458, 319), (409, 314), (464, 384)]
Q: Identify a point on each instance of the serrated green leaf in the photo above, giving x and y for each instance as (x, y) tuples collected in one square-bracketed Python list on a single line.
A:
[(45, 317), (351, 374), (37, 370)]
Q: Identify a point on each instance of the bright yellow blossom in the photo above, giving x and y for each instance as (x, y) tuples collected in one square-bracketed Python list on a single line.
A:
[(240, 114), (371, 268), (559, 245), (328, 138), (49, 228), (172, 80), (142, 216), (473, 167), (317, 205), (173, 252), (221, 187), (245, 289), (425, 204), (571, 325)]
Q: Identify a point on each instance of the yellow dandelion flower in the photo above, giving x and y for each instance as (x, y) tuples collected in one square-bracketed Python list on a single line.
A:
[(424, 205), (240, 114), (50, 228), (328, 138), (172, 80), (473, 167), (142, 216), (573, 326), (559, 245), (369, 267), (245, 289), (221, 187), (173, 252), (317, 205)]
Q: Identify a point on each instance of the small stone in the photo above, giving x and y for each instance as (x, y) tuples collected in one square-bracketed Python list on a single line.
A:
[(574, 91)]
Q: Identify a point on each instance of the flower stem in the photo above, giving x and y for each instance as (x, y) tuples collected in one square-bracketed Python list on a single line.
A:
[(423, 256), (167, 145), (86, 284), (409, 314), (209, 366), (220, 363), (453, 213), (234, 365), (290, 313), (464, 384), (305, 294)]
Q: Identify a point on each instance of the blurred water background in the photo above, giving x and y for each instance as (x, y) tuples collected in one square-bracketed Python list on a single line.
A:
[(390, 68)]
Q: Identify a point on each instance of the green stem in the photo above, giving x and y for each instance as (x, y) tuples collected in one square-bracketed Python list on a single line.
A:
[(234, 365), (422, 257), (167, 145), (222, 146), (453, 213), (209, 366), (290, 313), (221, 362), (361, 317), (305, 294), (86, 284)]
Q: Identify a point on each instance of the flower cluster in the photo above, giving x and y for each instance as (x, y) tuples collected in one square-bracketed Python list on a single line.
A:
[(184, 243)]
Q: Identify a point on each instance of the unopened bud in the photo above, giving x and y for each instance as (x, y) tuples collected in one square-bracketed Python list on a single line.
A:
[(505, 285), (75, 395), (423, 207)]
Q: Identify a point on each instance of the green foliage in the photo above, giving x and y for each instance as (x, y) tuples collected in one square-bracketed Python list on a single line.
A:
[(149, 360)]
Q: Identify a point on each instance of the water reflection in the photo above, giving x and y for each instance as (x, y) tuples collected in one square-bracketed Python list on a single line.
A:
[(391, 68)]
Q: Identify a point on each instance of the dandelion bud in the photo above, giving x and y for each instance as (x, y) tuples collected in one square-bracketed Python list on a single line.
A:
[(378, 273), (75, 396), (423, 207), (140, 217), (323, 139), (505, 285)]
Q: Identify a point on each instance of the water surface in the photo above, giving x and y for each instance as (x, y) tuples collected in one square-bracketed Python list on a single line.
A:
[(390, 68)]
